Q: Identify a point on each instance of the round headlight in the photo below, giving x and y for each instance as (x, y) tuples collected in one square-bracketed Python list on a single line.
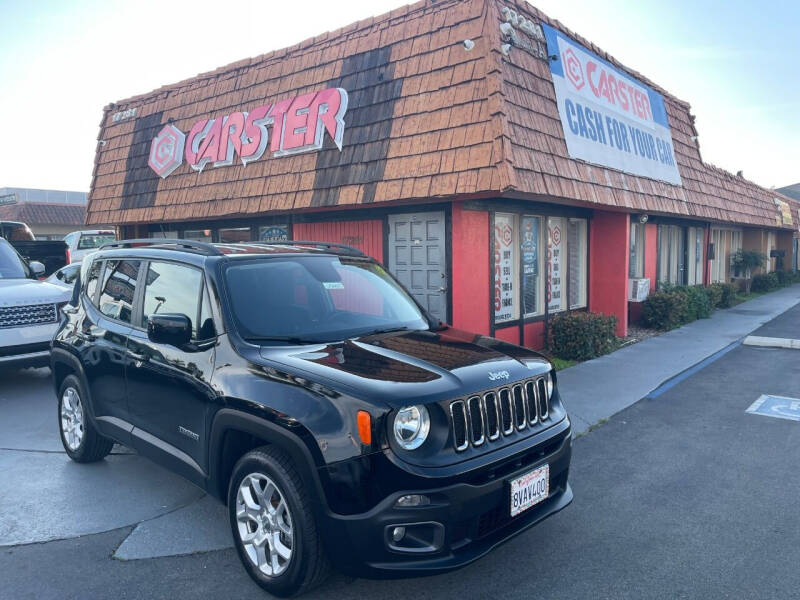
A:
[(549, 381), (411, 426)]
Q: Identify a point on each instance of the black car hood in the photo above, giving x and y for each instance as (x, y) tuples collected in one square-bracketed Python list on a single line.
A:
[(412, 367)]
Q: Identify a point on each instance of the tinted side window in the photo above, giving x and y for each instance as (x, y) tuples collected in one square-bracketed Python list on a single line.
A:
[(92, 277), (207, 329), (173, 289), (119, 287)]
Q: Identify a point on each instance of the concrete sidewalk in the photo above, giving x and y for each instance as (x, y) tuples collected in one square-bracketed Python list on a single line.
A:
[(599, 388)]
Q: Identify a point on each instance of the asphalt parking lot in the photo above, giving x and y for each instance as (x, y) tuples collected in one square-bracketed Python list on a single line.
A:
[(684, 495)]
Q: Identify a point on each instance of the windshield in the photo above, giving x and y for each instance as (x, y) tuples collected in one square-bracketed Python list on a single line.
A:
[(89, 241), (11, 265), (317, 298)]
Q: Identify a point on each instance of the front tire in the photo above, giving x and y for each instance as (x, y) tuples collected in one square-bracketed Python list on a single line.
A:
[(273, 524), (82, 442)]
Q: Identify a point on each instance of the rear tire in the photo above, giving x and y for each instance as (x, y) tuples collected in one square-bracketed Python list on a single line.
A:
[(82, 442), (273, 524)]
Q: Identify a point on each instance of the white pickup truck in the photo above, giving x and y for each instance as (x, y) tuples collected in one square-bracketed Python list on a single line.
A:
[(30, 310)]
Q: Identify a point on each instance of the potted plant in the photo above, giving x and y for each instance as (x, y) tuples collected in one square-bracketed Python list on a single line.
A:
[(744, 262)]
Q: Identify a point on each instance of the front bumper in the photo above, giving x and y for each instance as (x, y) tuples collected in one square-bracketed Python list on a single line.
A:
[(26, 346), (467, 519)]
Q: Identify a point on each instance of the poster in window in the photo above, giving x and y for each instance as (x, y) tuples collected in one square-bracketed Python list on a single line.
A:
[(504, 308), (530, 264), (555, 247), (273, 233)]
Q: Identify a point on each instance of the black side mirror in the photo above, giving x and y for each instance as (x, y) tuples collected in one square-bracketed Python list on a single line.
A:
[(172, 329)]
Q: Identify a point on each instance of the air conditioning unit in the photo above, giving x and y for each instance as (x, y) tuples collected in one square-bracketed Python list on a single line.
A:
[(638, 289)]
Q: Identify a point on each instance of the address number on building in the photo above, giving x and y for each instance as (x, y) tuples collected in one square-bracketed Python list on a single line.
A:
[(530, 489)]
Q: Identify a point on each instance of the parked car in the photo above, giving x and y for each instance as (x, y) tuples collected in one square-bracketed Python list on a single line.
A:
[(29, 310), (52, 254), (14, 231), (65, 276), (302, 385), (81, 243)]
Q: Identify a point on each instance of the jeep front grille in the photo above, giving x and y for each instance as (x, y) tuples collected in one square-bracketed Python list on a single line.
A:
[(32, 314), (482, 418)]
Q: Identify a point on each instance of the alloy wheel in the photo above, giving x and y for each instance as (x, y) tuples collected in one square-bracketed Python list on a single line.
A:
[(265, 524), (72, 418)]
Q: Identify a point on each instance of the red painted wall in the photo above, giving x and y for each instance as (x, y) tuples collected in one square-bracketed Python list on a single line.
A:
[(608, 266), (470, 278), (509, 334), (367, 236), (534, 335), (651, 254)]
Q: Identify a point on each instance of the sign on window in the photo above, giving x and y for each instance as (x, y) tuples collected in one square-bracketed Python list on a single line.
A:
[(555, 247), (505, 308)]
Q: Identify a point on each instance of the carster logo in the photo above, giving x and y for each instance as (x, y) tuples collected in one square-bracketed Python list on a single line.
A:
[(573, 69), (495, 375)]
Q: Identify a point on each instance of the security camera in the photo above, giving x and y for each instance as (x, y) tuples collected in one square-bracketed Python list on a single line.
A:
[(469, 44)]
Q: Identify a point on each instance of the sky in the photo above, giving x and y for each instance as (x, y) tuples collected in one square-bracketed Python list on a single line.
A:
[(61, 62)]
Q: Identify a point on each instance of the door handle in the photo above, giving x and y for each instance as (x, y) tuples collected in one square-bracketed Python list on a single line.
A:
[(138, 357)]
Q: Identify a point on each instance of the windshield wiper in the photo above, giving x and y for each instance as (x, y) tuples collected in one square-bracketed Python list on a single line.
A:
[(387, 330), (283, 338)]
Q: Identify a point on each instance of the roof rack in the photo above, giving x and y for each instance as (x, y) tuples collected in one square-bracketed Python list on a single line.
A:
[(324, 245), (202, 247)]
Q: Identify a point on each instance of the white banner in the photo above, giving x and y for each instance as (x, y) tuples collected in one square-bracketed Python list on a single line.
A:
[(609, 118)]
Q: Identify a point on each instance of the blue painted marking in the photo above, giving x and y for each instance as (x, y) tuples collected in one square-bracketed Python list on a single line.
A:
[(671, 383), (779, 407)]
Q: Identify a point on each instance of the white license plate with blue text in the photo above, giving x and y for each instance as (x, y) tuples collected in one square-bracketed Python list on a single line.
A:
[(530, 489)]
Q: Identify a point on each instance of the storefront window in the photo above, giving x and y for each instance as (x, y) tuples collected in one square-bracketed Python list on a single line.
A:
[(726, 243), (506, 295), (671, 254), (576, 246), (171, 235), (695, 256), (234, 235), (198, 235), (531, 257), (523, 262), (636, 264)]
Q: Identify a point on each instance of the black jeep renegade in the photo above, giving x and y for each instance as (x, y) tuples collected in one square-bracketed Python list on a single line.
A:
[(302, 385)]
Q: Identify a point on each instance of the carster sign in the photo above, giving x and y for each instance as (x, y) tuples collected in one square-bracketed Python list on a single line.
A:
[(609, 118), (298, 125)]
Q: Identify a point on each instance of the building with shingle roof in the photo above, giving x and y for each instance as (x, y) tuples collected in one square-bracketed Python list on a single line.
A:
[(503, 167), (50, 214)]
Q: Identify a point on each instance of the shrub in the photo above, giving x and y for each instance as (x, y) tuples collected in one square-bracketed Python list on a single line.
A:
[(727, 294), (788, 277), (765, 283), (665, 310), (582, 335), (714, 293), (698, 305)]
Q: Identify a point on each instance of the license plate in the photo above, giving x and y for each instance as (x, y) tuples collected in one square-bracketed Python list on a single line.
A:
[(530, 489)]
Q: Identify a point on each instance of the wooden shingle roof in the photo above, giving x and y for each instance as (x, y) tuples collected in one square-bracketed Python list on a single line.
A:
[(427, 118)]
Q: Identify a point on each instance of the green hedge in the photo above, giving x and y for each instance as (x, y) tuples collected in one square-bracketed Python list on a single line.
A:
[(665, 310), (582, 335), (765, 283), (727, 294), (698, 306)]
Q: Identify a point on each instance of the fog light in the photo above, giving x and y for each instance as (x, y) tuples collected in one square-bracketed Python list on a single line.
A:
[(412, 500), (398, 533)]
